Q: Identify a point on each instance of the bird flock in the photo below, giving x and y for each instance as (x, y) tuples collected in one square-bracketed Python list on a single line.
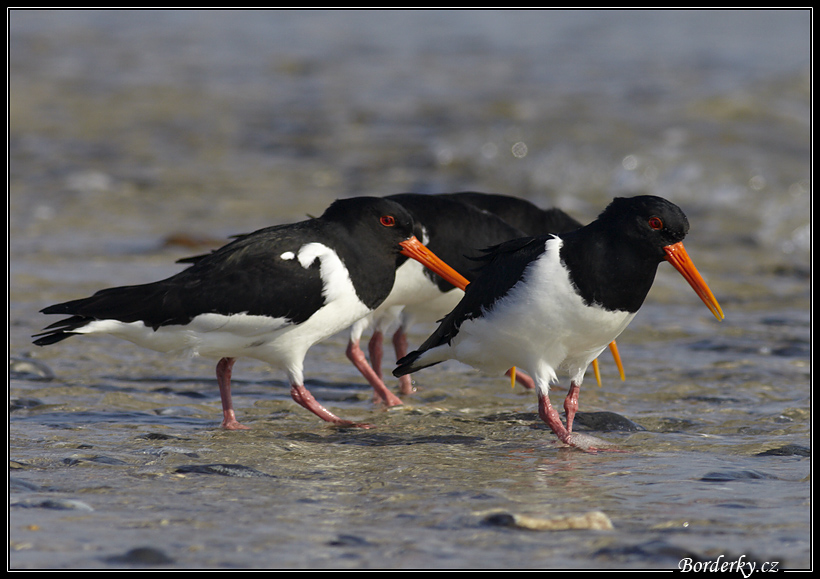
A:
[(509, 288)]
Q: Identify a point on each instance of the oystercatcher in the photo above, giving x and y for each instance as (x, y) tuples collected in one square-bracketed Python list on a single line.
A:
[(456, 233), (552, 303), (533, 221), (456, 227), (269, 295)]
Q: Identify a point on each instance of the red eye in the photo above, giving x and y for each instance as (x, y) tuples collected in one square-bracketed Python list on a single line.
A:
[(655, 223), (388, 220)]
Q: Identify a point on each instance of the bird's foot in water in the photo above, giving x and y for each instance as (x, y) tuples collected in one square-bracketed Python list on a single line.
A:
[(577, 440), (587, 443), (305, 399), (229, 422)]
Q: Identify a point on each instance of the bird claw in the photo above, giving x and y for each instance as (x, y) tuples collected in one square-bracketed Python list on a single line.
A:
[(588, 443), (229, 421)]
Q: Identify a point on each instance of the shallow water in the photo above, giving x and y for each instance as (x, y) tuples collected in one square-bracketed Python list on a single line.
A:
[(131, 131)]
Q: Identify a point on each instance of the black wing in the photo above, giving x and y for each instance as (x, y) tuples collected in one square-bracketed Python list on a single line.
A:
[(523, 214), (504, 267), (248, 275)]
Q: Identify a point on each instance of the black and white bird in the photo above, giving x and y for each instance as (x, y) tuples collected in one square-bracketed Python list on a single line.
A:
[(456, 233), (457, 227), (269, 295), (533, 221), (552, 303)]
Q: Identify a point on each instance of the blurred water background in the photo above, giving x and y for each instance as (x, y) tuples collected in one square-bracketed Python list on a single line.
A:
[(139, 137)]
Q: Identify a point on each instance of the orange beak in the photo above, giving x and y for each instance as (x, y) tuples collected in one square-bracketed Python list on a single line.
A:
[(613, 347), (414, 249), (677, 256)]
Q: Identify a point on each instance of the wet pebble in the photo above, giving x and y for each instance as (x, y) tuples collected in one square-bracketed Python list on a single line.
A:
[(349, 541), (58, 504), (735, 475), (793, 349), (159, 436), (661, 552), (20, 485), (171, 450), (73, 460), (24, 404), (234, 470), (712, 399), (593, 520), (29, 369), (142, 556), (787, 450), (658, 552), (606, 422)]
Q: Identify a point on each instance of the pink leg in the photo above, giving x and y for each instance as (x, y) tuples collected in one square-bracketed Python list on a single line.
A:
[(581, 441), (223, 378), (305, 399), (571, 404), (376, 349), (550, 415), (382, 392), (522, 379), (400, 347)]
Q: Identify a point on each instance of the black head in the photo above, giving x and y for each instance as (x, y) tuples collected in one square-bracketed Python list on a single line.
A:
[(372, 220), (651, 222), (375, 227), (613, 260)]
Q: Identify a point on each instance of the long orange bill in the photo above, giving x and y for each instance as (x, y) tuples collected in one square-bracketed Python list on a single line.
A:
[(413, 248), (677, 256), (597, 371), (617, 357)]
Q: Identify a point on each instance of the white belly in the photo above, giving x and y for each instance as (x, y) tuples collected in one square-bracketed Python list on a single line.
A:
[(542, 326)]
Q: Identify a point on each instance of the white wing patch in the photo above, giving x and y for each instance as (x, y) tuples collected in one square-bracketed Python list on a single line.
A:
[(336, 282)]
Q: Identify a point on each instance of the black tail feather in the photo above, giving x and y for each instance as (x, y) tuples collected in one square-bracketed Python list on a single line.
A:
[(405, 365), (48, 338), (59, 330)]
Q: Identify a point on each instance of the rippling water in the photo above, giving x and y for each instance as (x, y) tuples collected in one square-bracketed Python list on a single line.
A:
[(137, 138)]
